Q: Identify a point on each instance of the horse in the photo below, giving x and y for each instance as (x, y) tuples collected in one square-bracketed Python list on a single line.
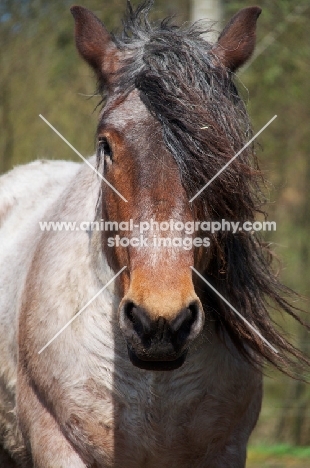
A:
[(152, 367)]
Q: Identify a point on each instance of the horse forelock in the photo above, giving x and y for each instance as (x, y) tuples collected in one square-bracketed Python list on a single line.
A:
[(204, 121)]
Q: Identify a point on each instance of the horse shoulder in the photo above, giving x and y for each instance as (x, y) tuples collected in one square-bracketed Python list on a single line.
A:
[(26, 192)]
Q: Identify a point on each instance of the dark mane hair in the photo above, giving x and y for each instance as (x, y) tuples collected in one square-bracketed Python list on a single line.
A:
[(204, 123)]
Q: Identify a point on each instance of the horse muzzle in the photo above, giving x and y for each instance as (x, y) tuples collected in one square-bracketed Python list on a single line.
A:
[(159, 343)]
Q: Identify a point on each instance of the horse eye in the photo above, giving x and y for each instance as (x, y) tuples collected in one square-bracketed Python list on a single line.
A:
[(104, 149)]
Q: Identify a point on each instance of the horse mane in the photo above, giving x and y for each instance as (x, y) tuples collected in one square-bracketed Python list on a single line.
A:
[(204, 123)]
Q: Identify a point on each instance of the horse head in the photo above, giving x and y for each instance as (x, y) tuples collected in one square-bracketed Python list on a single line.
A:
[(153, 149)]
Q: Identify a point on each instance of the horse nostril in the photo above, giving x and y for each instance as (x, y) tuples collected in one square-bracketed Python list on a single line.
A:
[(136, 318), (187, 323), (128, 311)]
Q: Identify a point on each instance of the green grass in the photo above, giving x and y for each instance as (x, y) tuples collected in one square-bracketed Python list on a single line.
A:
[(280, 451), (278, 456)]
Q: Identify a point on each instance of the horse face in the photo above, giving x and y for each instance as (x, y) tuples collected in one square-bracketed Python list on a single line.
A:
[(160, 314)]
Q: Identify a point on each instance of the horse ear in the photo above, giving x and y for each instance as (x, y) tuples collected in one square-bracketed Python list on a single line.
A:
[(94, 43), (236, 43)]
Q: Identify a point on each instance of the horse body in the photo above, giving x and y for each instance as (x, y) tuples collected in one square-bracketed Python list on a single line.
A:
[(113, 414)]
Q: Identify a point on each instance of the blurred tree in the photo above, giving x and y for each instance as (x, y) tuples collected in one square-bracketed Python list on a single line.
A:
[(42, 73)]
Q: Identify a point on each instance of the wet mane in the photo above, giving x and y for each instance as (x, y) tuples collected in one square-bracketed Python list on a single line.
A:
[(204, 123)]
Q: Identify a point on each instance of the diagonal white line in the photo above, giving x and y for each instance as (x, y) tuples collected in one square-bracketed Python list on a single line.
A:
[(82, 157), (232, 159), (81, 310), (236, 312)]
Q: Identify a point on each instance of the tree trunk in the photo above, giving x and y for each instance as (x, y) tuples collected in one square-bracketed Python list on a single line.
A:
[(210, 10)]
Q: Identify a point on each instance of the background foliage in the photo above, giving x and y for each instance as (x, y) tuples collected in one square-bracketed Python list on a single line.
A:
[(277, 83), (41, 73)]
